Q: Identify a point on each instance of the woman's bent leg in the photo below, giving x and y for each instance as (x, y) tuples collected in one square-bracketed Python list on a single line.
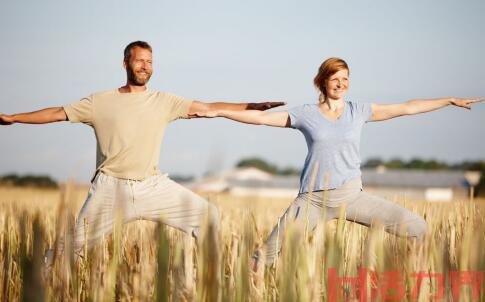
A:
[(297, 214), (368, 209)]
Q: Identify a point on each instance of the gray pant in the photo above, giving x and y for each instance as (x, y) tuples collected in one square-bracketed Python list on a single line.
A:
[(360, 207), (156, 198)]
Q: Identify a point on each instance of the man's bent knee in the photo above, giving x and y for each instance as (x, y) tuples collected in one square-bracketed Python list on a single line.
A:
[(417, 228), (213, 214), (212, 219)]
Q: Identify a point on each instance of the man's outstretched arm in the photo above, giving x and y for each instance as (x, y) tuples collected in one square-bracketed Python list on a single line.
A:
[(203, 107), (44, 116)]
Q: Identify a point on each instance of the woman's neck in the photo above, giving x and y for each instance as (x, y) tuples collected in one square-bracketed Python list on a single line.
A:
[(332, 104)]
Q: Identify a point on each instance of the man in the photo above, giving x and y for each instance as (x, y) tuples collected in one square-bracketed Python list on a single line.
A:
[(129, 123)]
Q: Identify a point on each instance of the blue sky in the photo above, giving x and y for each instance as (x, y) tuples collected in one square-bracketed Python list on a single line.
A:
[(56, 52)]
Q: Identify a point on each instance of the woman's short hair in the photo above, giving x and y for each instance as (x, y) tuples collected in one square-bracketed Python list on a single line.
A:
[(326, 70)]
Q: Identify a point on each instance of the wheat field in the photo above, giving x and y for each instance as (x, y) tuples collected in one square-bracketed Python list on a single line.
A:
[(145, 261)]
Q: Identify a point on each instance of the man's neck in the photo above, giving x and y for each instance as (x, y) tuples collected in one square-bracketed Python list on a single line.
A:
[(132, 88)]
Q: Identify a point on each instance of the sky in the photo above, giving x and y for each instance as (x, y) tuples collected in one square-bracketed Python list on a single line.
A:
[(56, 52)]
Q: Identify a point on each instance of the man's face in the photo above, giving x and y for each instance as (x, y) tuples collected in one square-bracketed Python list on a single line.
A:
[(139, 66)]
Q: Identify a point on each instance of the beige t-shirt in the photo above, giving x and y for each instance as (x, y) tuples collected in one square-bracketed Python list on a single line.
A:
[(129, 128)]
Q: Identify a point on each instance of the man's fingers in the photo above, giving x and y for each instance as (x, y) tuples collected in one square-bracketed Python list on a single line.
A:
[(276, 104), (4, 120), (201, 115), (269, 105), (195, 114), (265, 105)]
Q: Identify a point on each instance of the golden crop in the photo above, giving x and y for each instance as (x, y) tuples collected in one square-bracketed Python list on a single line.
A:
[(144, 261)]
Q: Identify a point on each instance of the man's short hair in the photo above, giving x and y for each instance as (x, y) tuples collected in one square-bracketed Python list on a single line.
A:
[(129, 47)]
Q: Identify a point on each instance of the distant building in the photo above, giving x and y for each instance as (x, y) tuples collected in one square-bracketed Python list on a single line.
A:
[(248, 181), (426, 185), (410, 184)]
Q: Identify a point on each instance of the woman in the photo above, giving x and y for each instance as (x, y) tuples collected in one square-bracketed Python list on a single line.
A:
[(331, 176)]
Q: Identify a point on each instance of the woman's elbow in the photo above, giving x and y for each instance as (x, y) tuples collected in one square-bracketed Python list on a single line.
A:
[(408, 108)]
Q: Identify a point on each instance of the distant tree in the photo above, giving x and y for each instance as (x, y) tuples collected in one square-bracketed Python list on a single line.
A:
[(373, 163), (41, 181), (395, 163), (9, 178), (414, 163), (417, 163), (288, 171), (257, 163), (263, 165)]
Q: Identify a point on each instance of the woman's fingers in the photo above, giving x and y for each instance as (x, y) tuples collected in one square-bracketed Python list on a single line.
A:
[(466, 103)]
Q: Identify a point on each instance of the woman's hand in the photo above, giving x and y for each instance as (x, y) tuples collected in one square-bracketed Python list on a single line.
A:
[(465, 103)]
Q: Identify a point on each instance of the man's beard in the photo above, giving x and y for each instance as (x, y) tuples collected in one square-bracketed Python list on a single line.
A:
[(134, 79)]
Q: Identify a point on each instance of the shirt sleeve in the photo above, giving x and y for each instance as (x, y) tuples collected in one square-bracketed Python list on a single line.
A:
[(366, 111), (80, 112), (296, 117), (178, 107)]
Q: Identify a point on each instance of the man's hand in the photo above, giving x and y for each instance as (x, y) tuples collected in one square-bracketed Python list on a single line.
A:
[(200, 107), (6, 119), (206, 114), (265, 105)]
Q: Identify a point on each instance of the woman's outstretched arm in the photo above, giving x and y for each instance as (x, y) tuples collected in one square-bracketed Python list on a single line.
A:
[(198, 106), (255, 117), (381, 112)]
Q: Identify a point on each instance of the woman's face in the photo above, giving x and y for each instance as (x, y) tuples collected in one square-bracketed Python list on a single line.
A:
[(337, 84)]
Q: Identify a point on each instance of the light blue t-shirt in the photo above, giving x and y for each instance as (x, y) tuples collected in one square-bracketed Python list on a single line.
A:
[(333, 146)]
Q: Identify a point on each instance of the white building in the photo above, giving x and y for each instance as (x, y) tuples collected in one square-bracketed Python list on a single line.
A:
[(410, 184)]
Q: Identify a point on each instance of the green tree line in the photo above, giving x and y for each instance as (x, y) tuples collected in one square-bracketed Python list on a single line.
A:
[(261, 164), (39, 181)]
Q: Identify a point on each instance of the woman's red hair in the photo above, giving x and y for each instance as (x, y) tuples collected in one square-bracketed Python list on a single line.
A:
[(326, 70)]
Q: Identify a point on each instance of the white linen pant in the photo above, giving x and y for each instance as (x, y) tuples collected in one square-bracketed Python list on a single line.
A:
[(360, 207), (156, 198)]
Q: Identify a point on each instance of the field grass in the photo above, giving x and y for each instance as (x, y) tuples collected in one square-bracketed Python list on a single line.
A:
[(144, 261)]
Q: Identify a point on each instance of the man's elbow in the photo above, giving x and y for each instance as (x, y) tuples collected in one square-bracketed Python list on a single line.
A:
[(210, 106), (198, 106), (60, 115)]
